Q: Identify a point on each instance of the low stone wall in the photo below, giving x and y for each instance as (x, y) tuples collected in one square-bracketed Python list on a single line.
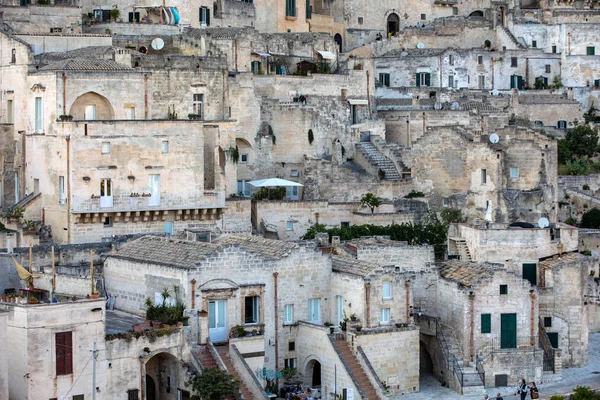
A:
[(516, 364), (246, 373)]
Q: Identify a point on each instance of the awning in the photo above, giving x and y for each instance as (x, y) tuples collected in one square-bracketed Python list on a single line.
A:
[(261, 54), (273, 182), (358, 102), (327, 55)]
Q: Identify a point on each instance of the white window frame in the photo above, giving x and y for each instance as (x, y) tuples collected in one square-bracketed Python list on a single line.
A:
[(384, 316), (289, 226), (105, 148), (245, 188), (90, 112), (294, 173), (288, 314), (339, 301), (290, 362), (131, 112), (62, 194), (481, 82), (483, 176), (244, 158), (39, 115), (514, 173), (165, 146), (386, 290), (198, 104), (314, 310), (255, 310)]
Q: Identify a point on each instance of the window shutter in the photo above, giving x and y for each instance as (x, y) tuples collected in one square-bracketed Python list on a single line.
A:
[(208, 17), (486, 323), (60, 354), (68, 353), (428, 79), (418, 80), (387, 80), (512, 82), (521, 82)]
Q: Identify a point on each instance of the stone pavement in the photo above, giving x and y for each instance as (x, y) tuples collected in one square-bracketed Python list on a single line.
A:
[(572, 377)]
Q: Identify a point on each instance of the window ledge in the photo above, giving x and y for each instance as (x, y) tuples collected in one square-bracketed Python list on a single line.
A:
[(290, 324), (290, 18)]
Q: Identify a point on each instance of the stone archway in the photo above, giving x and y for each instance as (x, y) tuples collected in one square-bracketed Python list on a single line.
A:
[(150, 388), (92, 105), (313, 373), (393, 24), (477, 13), (163, 376), (338, 40)]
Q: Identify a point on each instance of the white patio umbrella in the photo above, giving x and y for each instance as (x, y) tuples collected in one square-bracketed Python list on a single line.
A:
[(273, 182)]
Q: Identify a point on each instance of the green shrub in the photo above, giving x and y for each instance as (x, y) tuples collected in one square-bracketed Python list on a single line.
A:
[(586, 187), (591, 219), (584, 393), (414, 194), (274, 193)]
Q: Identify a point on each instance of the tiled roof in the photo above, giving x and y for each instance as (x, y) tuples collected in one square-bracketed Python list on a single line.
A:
[(84, 52), (349, 265), (473, 105), (467, 274), (376, 241), (266, 248), (545, 99), (216, 33), (566, 258), (86, 64), (171, 252)]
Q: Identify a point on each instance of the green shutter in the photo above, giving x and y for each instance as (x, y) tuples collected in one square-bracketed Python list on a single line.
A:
[(418, 79), (308, 12), (520, 83), (208, 17), (428, 79), (530, 273), (554, 49), (508, 331), (591, 51), (553, 337), (513, 79), (486, 323), (387, 80)]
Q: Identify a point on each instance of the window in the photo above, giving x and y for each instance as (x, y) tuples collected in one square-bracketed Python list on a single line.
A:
[(294, 173), (291, 346), (423, 17), (554, 50), (105, 147), (534, 43), (451, 59), (289, 226), (204, 18), (243, 188), (547, 322), (244, 158), (251, 309), (503, 289), (548, 68), (107, 222), (591, 51), (13, 56), (446, 202), (183, 394), (384, 317), (387, 290), (423, 79), (516, 82), (454, 10), (9, 111), (314, 309), (90, 112), (38, 114), (288, 314), (340, 308), (562, 124), (289, 363), (134, 17), (384, 79), (596, 85), (198, 105), (514, 62), (481, 82), (131, 112), (62, 197), (479, 60), (360, 20), (345, 224), (78, 397), (290, 8), (165, 146), (483, 176), (486, 323), (514, 173), (64, 353), (451, 81)]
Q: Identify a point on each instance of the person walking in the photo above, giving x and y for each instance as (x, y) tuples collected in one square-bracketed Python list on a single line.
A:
[(533, 390), (498, 397), (523, 389)]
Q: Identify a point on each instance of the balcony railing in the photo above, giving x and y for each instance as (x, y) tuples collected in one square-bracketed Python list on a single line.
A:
[(127, 202)]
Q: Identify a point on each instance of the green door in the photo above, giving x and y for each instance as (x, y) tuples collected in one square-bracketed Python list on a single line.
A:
[(508, 331), (553, 336), (530, 273)]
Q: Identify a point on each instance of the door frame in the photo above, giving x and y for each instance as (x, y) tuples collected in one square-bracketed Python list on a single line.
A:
[(217, 336)]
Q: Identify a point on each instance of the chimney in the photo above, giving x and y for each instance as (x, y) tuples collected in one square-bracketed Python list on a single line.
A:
[(570, 93), (335, 242)]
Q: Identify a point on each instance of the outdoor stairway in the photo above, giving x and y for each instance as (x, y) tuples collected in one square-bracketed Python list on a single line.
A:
[(378, 160), (512, 37), (358, 375), (224, 354), (471, 381), (463, 249), (203, 355)]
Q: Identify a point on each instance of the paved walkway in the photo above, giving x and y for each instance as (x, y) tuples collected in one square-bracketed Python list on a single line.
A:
[(572, 377)]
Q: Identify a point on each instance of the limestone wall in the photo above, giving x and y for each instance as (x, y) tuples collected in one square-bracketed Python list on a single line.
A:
[(40, 18), (237, 216), (47, 43)]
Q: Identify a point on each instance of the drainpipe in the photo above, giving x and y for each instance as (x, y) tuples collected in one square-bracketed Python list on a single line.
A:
[(527, 71), (440, 72), (569, 44), (424, 123), (532, 320), (472, 333), (276, 309), (493, 85), (146, 96), (193, 282), (368, 301), (223, 102), (64, 78), (68, 139), (235, 47), (369, 95), (408, 301)]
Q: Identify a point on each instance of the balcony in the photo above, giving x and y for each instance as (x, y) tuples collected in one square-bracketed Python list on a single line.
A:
[(142, 207)]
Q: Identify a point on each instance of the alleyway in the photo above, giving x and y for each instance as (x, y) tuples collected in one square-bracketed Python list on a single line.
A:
[(572, 377)]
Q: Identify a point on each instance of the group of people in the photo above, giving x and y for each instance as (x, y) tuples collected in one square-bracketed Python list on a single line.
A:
[(523, 390), (299, 393)]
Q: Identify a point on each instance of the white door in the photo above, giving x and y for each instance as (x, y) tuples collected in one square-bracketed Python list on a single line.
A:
[(340, 309), (291, 192), (90, 112), (154, 189), (106, 195), (217, 321)]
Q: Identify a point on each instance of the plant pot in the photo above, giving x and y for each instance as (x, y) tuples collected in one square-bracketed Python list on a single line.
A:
[(179, 324), (148, 322), (32, 302), (95, 296), (139, 327), (331, 330), (74, 298), (157, 324), (203, 314)]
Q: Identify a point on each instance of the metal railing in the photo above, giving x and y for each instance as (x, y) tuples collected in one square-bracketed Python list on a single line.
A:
[(480, 369), (547, 348), (135, 202), (495, 345)]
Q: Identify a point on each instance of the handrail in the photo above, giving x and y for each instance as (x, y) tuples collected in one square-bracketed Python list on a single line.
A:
[(480, 368), (370, 367)]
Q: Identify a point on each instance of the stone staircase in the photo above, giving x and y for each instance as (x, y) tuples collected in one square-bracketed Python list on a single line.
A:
[(243, 389), (378, 160), (364, 386), (512, 37), (393, 151), (469, 380), (204, 357), (463, 249)]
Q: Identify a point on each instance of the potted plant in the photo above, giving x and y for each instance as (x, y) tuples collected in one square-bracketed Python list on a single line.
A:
[(87, 297), (203, 313), (330, 326), (288, 374), (353, 318), (74, 298), (95, 294), (358, 328), (33, 300)]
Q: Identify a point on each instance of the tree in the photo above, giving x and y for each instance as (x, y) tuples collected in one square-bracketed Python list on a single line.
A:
[(584, 393), (452, 216), (371, 201), (591, 219), (582, 141), (213, 384)]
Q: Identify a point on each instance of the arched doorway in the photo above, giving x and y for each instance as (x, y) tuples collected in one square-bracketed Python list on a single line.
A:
[(338, 39), (393, 24), (92, 106), (312, 373), (425, 361), (150, 388)]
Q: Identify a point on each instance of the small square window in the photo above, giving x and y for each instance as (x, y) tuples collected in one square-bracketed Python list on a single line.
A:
[(289, 226), (345, 224), (591, 51), (107, 222), (291, 346), (534, 43), (483, 176), (294, 173), (548, 68), (514, 62), (514, 173), (360, 20), (446, 202), (562, 124), (547, 322), (385, 316), (105, 147), (503, 289), (454, 10), (480, 60), (423, 17), (165, 146), (554, 49), (244, 158)]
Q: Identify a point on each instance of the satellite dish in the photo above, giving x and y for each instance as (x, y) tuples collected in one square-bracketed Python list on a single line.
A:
[(543, 222), (494, 138), (495, 92), (420, 45), (143, 49), (157, 44), (455, 106), (404, 54)]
